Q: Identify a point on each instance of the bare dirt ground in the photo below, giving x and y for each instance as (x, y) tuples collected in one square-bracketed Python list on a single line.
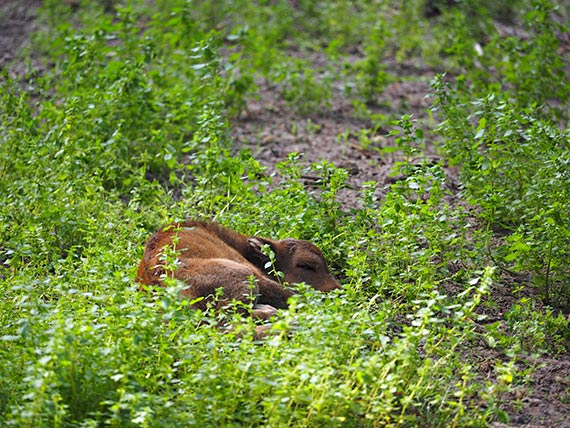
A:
[(17, 22), (272, 130)]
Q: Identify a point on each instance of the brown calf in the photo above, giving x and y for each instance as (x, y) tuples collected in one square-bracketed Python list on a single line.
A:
[(212, 257)]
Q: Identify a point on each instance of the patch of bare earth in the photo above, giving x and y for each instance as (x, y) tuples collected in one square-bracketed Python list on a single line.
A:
[(17, 22), (271, 129)]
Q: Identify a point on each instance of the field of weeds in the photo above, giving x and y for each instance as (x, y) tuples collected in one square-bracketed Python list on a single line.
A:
[(422, 145)]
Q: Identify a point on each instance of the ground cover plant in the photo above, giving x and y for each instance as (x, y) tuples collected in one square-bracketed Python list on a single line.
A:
[(444, 217)]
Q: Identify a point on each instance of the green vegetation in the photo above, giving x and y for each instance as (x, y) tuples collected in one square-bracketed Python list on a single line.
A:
[(128, 129)]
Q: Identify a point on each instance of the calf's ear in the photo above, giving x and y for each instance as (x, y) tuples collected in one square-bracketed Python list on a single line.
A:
[(291, 244)]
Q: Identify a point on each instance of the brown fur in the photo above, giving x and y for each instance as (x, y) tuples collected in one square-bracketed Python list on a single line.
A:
[(212, 257)]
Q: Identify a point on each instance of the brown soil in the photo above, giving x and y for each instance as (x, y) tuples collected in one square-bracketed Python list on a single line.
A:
[(272, 130), (17, 22)]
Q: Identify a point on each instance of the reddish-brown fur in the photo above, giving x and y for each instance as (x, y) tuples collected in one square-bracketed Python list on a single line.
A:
[(212, 257)]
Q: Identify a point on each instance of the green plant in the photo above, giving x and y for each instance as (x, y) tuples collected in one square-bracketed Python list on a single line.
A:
[(513, 165), (371, 76), (302, 87)]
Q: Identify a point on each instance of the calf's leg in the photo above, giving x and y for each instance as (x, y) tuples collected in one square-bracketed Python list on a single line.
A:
[(238, 282)]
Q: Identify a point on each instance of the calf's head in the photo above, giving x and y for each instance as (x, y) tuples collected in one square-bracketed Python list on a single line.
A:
[(300, 261)]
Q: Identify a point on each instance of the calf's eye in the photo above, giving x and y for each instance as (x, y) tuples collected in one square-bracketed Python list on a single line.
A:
[(306, 266)]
